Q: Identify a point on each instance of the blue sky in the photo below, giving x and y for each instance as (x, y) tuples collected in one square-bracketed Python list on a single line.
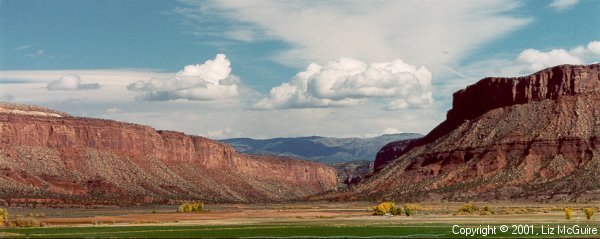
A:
[(121, 34), (136, 53)]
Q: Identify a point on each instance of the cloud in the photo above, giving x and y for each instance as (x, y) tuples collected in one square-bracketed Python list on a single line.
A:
[(71, 82), (391, 131), (114, 110), (383, 132), (346, 82), (533, 60), (121, 77), (30, 86), (23, 47), (209, 81), (561, 5), (525, 62), (206, 117), (425, 33), (537, 60), (242, 35), (227, 132), (38, 54), (6, 97)]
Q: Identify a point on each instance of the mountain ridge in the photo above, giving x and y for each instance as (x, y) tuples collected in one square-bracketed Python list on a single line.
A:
[(319, 148)]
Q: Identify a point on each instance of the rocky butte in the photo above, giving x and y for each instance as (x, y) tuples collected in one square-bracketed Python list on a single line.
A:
[(49, 156), (533, 138)]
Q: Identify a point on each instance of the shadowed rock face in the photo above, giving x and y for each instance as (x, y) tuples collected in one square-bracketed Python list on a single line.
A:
[(352, 172), (83, 160), (391, 151), (532, 138)]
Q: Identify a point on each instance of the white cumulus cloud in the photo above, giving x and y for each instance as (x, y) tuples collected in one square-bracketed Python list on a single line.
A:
[(346, 82), (534, 60), (209, 81), (561, 5), (71, 82)]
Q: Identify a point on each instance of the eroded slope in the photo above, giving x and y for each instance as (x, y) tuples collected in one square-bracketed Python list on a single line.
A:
[(82, 160), (531, 138)]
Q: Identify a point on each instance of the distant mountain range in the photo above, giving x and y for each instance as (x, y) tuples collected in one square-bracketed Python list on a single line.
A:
[(322, 149)]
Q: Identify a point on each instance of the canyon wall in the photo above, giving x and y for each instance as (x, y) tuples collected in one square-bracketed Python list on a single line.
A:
[(75, 159), (532, 138)]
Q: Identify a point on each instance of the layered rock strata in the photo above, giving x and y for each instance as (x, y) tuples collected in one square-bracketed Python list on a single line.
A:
[(84, 160), (532, 138)]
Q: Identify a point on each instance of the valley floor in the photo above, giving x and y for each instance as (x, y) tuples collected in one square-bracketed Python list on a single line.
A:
[(303, 219)]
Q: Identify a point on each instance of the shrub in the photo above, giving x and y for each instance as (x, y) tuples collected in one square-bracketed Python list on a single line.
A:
[(383, 208), (191, 207), (26, 222), (378, 211), (589, 213), (396, 211), (486, 211), (568, 213), (411, 208), (469, 208), (3, 216), (145, 221)]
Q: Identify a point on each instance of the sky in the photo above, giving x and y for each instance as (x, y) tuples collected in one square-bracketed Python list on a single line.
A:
[(267, 68)]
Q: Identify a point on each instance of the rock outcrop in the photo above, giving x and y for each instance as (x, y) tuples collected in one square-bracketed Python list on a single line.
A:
[(84, 160), (391, 151), (492, 92), (532, 138), (350, 173), (8, 108)]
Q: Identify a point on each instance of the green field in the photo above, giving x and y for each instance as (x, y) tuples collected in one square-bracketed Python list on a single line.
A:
[(309, 219), (420, 231)]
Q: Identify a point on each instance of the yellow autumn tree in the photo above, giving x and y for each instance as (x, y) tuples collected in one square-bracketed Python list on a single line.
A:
[(3, 216), (385, 208), (191, 207), (589, 213), (568, 213)]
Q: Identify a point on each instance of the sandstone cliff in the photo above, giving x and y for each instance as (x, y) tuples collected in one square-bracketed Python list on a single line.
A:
[(83, 160), (391, 151), (533, 138)]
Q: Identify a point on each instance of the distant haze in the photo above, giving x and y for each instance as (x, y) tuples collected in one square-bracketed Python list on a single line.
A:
[(322, 149)]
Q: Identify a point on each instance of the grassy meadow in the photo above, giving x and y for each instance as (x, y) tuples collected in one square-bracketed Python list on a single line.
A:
[(303, 220)]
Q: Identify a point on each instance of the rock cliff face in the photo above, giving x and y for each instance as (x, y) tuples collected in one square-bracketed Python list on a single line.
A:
[(83, 160), (391, 151), (491, 93), (352, 172), (534, 138)]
